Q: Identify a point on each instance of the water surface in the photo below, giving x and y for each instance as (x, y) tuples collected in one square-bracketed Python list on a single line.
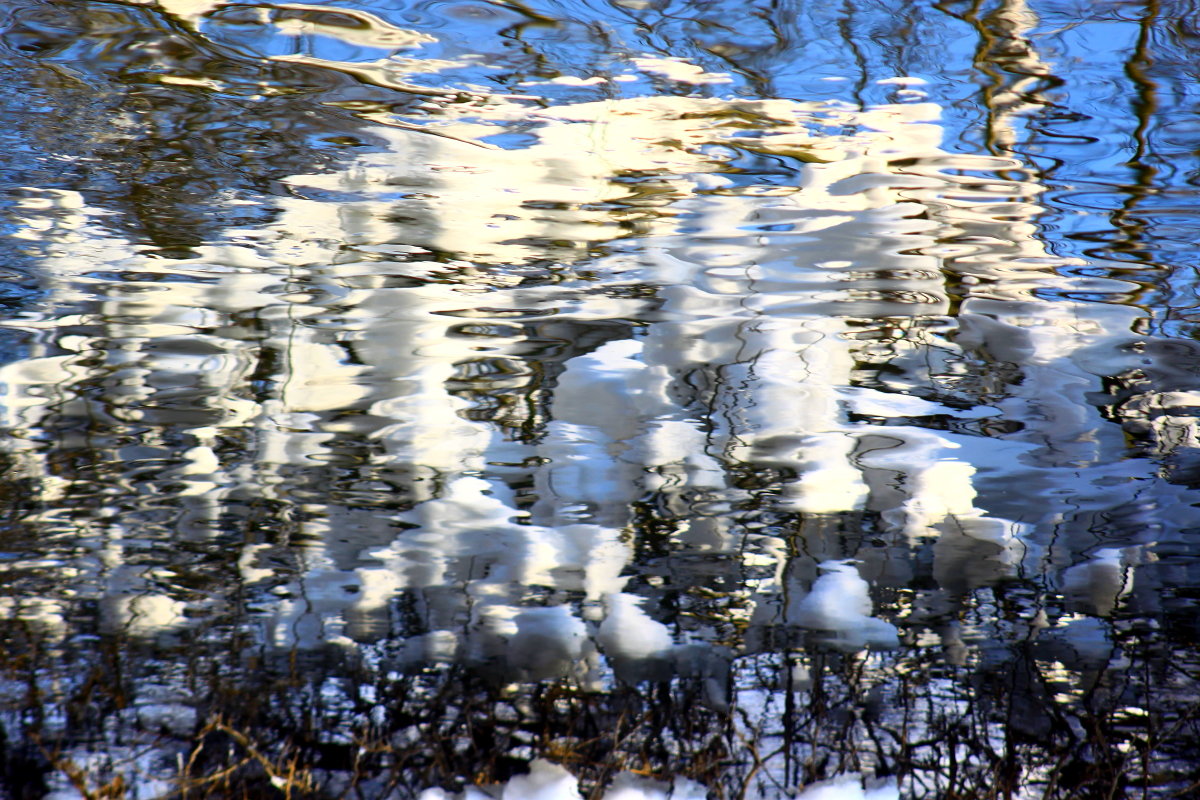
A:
[(599, 397)]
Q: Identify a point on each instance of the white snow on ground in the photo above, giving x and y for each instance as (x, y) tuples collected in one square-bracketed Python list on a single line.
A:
[(549, 781)]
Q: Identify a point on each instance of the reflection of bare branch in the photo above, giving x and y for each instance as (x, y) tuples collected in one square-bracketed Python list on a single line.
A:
[(377, 76)]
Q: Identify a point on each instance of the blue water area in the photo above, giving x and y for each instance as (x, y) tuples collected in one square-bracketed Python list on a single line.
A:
[(628, 399)]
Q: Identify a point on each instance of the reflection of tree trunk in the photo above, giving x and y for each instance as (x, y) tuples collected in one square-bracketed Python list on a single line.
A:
[(846, 29), (1015, 72), (1144, 104)]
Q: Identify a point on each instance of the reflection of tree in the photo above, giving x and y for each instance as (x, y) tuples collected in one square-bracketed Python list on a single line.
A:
[(676, 428), (161, 125), (318, 435), (1145, 105), (1015, 73)]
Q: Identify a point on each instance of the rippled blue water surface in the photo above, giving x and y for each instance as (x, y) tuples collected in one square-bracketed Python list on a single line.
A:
[(625, 400)]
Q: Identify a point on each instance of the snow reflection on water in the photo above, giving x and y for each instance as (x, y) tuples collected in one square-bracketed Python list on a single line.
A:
[(780, 423)]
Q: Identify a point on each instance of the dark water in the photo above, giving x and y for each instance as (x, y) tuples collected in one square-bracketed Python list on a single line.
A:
[(699, 397)]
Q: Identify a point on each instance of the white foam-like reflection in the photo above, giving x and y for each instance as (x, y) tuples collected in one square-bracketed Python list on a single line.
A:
[(750, 355), (549, 781), (517, 352)]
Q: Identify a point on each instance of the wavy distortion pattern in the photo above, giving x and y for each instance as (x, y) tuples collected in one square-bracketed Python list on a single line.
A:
[(620, 399)]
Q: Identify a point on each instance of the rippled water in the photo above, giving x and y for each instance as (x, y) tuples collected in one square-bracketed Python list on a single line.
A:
[(401, 397)]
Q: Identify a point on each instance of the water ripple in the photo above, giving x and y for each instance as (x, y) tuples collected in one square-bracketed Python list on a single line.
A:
[(753, 370)]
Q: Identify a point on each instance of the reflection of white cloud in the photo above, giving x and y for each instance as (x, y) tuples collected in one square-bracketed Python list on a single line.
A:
[(677, 69), (549, 781), (392, 72), (759, 305), (839, 606), (147, 614), (189, 9), (349, 25), (628, 633), (554, 194), (1096, 585), (850, 787)]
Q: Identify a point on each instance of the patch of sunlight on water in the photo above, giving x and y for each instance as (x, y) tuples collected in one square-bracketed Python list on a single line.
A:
[(425, 397)]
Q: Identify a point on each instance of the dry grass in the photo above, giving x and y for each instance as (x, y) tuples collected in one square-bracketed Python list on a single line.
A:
[(274, 727)]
